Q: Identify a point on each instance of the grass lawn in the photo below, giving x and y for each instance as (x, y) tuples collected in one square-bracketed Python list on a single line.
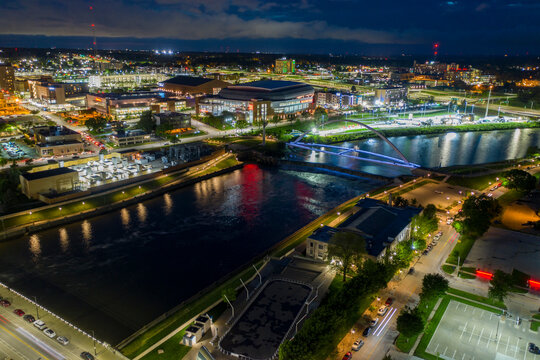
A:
[(449, 269), (172, 349), (463, 247), (536, 316), (535, 325), (465, 275), (475, 182), (478, 298), (510, 196)]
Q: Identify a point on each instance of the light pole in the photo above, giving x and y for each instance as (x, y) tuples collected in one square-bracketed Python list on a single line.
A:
[(37, 307), (94, 339), (487, 105)]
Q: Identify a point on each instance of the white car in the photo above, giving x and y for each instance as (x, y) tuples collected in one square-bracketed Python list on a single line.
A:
[(374, 322), (382, 310), (49, 332), (62, 340), (358, 344), (39, 324)]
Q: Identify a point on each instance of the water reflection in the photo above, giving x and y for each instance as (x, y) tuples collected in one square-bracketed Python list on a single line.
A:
[(124, 216), (86, 232), (35, 247), (167, 204), (64, 239), (142, 212)]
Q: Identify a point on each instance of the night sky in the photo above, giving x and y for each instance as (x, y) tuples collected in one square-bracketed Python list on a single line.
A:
[(374, 27)]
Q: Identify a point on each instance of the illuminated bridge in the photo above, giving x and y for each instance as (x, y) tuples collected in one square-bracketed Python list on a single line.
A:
[(353, 153)]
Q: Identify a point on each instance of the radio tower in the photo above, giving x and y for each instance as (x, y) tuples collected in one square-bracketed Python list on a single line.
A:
[(435, 51), (93, 27)]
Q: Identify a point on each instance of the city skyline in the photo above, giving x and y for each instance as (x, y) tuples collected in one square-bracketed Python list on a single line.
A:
[(389, 28)]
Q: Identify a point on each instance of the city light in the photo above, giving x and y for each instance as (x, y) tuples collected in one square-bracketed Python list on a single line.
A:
[(484, 274)]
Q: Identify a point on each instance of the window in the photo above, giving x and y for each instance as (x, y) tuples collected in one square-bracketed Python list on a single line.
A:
[(321, 246), (311, 243)]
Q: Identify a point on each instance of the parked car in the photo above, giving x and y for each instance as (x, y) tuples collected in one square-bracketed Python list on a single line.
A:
[(49, 332), (18, 312), (373, 322), (29, 318), (40, 324), (449, 221), (62, 340), (425, 252), (389, 301), (382, 310), (366, 331), (358, 344), (411, 271), (87, 356), (534, 349), (5, 303)]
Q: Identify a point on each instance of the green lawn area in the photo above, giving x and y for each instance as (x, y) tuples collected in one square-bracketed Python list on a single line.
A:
[(481, 299), (475, 182), (466, 275), (535, 325), (536, 316), (463, 247), (449, 269), (510, 196)]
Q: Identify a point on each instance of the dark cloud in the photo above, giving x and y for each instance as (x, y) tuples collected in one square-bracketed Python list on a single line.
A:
[(403, 23)]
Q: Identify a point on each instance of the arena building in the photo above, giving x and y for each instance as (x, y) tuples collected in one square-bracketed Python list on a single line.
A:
[(259, 100)]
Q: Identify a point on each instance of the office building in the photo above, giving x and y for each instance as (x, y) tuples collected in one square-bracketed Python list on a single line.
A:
[(131, 105), (178, 122), (55, 93), (57, 141), (259, 100), (7, 78), (380, 225), (129, 137), (337, 100), (124, 80), (54, 181), (285, 66), (192, 85), (390, 96)]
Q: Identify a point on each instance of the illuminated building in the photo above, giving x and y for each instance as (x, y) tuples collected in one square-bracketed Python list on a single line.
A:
[(53, 181), (55, 93), (177, 121), (7, 78), (259, 100), (132, 105), (129, 137), (192, 85), (57, 141), (124, 80), (390, 95), (337, 100), (285, 66)]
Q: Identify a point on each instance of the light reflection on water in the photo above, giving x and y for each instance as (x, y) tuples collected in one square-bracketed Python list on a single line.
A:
[(142, 212), (64, 239), (125, 217), (167, 204), (86, 228), (35, 247)]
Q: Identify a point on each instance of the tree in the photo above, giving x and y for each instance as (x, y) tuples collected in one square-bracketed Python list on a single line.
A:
[(146, 122), (520, 180), (163, 130), (434, 285), (96, 124), (345, 248), (353, 88), (423, 225), (241, 124), (476, 215), (430, 211), (500, 285), (400, 202), (275, 119), (410, 323), (319, 114)]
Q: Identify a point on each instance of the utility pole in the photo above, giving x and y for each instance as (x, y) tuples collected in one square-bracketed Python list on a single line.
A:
[(94, 338), (37, 308)]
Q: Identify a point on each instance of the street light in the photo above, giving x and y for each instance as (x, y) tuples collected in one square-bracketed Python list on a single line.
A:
[(37, 308)]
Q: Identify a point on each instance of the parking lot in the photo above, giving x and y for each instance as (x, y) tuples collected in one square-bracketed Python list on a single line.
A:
[(468, 332), (442, 194), (505, 250)]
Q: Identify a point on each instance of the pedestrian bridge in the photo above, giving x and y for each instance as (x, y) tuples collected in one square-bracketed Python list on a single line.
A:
[(354, 153)]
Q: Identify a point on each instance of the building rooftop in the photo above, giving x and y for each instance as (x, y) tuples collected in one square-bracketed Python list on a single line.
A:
[(53, 130), (47, 173), (130, 95), (323, 234), (268, 90), (187, 80), (269, 85)]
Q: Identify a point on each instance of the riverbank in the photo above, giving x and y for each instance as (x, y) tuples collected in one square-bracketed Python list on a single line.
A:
[(80, 209)]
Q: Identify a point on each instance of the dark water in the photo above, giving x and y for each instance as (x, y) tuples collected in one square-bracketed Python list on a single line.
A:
[(438, 150), (115, 273)]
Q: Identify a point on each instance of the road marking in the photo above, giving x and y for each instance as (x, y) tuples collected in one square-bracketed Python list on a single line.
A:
[(507, 343), (463, 357), (385, 322), (454, 356), (436, 347), (13, 349), (463, 330), (444, 353), (24, 342), (498, 343), (470, 337), (480, 337), (515, 352), (490, 315), (490, 337)]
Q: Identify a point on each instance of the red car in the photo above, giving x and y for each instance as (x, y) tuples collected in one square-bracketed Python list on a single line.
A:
[(347, 356), (18, 312), (389, 301), (5, 303)]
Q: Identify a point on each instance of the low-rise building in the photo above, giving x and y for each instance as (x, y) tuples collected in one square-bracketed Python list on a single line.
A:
[(60, 148), (178, 122), (129, 137), (54, 181), (382, 226), (390, 96), (57, 141), (124, 80)]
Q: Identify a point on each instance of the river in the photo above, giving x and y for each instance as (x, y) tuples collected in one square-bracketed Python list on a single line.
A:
[(115, 273)]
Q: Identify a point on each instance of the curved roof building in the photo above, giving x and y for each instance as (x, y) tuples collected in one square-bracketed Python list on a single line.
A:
[(269, 90)]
